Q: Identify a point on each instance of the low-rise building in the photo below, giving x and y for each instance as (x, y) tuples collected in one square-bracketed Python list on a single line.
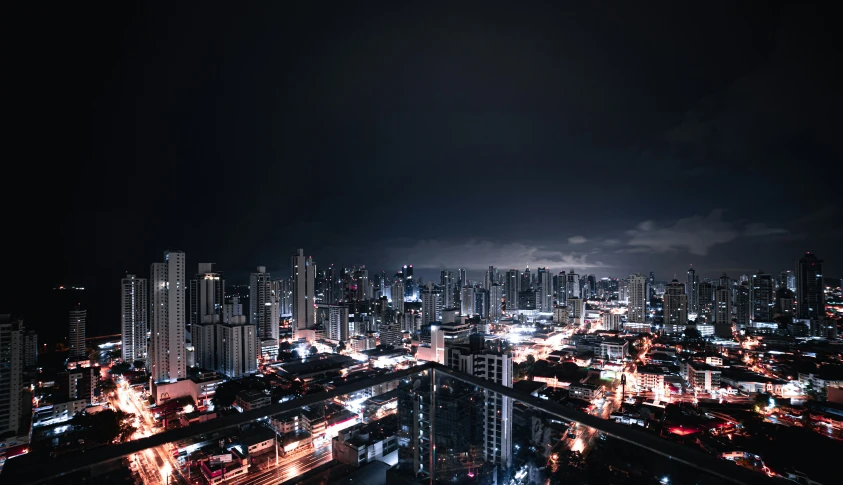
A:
[(365, 443), (650, 377), (256, 440), (702, 377), (248, 400), (586, 392)]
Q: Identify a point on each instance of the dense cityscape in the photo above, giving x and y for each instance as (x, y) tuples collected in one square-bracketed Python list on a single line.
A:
[(718, 364)]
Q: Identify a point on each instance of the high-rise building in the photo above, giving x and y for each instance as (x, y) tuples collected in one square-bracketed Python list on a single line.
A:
[(398, 294), (692, 290), (167, 353), (722, 306), (467, 306), (76, 333), (338, 323), (623, 290), (134, 324), (432, 299), (495, 297), (233, 309), (743, 304), (409, 283), (545, 287), (762, 297), (30, 349), (11, 373), (637, 289), (513, 286), (264, 303), (304, 276), (284, 291), (810, 299), (725, 282), (463, 279), (559, 290), (675, 307), (481, 302), (611, 321), (572, 285), (207, 290), (491, 277), (237, 348), (446, 281), (705, 294), (526, 280)]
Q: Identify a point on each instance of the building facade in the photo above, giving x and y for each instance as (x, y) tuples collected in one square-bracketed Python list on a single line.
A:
[(134, 323), (167, 307)]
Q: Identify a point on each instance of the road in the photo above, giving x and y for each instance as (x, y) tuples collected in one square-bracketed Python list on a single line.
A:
[(286, 470)]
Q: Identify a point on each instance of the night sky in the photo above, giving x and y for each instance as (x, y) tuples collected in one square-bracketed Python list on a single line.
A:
[(610, 139)]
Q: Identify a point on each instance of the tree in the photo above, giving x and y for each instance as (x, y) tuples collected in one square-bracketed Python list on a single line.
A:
[(105, 426), (314, 350), (108, 385), (294, 355)]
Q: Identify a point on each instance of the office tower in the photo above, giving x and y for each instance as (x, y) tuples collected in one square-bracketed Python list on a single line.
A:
[(762, 297), (133, 318), (692, 291), (705, 292), (338, 323), (791, 282), (204, 341), (513, 286), (572, 285), (409, 283), (576, 308), (11, 373), (304, 274), (76, 334), (591, 281), (785, 302), (207, 290), (364, 287), (463, 279), (237, 348), (743, 304), (30, 349), (496, 294), (264, 311), (398, 294), (637, 289), (467, 302), (675, 307), (167, 353), (810, 299), (432, 299), (446, 281)]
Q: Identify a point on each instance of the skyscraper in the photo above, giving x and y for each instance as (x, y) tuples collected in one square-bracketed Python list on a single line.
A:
[(810, 299), (513, 286), (76, 333), (692, 290), (637, 289), (560, 290), (743, 304), (675, 307), (134, 324), (264, 303), (237, 348), (446, 280), (207, 290), (432, 298), (304, 276), (168, 358), (572, 285), (723, 312), (705, 293), (545, 286), (495, 296), (468, 304), (11, 372), (409, 283), (398, 293), (761, 296)]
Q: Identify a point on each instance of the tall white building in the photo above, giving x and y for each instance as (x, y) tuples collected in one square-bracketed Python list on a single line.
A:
[(338, 322), (11, 353), (572, 285), (76, 333), (167, 353), (133, 318), (304, 276), (237, 348), (446, 279), (637, 291), (264, 311)]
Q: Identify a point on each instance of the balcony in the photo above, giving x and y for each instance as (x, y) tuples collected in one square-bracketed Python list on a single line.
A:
[(444, 431)]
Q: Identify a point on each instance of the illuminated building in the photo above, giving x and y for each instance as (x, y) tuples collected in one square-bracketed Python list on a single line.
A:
[(692, 291), (133, 321), (11, 354), (637, 290), (810, 299), (76, 333), (304, 275), (432, 300), (675, 308), (264, 311), (168, 358), (237, 348), (206, 294), (446, 281), (513, 286), (495, 297), (761, 296), (467, 303)]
